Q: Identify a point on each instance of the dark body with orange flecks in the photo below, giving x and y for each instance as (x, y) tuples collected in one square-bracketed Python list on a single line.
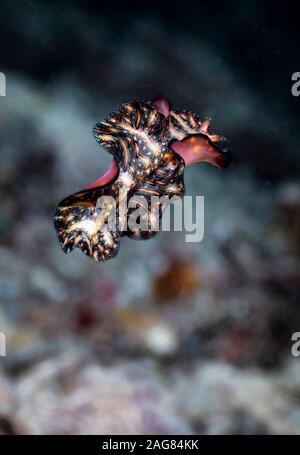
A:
[(140, 136)]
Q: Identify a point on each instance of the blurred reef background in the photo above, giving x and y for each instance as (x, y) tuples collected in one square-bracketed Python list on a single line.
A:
[(169, 337)]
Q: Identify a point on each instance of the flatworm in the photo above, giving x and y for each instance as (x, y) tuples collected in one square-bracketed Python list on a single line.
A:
[(151, 144)]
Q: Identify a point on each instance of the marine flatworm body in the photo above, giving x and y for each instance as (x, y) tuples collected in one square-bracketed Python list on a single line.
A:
[(151, 145)]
